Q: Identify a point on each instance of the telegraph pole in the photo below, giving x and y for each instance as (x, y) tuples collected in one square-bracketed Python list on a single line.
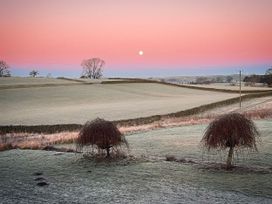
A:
[(240, 87)]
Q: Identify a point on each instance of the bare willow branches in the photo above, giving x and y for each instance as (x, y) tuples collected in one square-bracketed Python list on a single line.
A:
[(101, 134), (231, 131)]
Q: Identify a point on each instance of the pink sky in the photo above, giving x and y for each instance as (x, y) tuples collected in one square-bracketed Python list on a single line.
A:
[(172, 33)]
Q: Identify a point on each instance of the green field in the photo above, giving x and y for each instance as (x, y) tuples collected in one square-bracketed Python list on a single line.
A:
[(81, 102)]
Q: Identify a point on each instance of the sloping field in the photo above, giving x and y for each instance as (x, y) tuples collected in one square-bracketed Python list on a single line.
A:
[(226, 86), (77, 104), (28, 82), (31, 80), (144, 178)]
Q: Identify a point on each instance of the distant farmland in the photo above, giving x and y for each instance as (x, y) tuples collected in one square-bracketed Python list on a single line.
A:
[(81, 102)]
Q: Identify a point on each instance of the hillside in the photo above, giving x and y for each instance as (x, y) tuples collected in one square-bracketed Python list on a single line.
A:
[(81, 102)]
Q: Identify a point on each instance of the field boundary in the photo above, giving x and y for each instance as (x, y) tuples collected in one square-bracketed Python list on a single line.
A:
[(191, 111), (21, 86), (75, 80), (129, 122), (124, 81), (139, 80), (129, 81), (213, 89), (79, 82)]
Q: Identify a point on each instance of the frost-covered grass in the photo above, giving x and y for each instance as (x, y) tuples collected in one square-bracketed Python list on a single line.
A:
[(5, 81), (144, 178), (259, 108), (77, 104), (28, 81), (256, 108), (184, 142), (236, 87)]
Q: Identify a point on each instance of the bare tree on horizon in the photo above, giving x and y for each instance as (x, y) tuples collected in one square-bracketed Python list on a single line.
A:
[(92, 68), (4, 69), (34, 73)]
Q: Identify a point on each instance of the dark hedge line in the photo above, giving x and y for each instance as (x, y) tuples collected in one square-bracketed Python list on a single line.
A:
[(129, 122), (39, 128)]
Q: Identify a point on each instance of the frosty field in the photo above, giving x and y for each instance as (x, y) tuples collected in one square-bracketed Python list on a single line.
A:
[(79, 103), (8, 81), (236, 87), (145, 178)]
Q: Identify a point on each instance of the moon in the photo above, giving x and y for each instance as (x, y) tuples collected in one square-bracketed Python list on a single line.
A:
[(141, 52)]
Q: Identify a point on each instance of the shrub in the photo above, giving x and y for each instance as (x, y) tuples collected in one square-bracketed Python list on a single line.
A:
[(102, 135), (231, 131)]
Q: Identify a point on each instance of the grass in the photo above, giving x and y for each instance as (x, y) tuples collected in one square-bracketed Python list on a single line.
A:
[(30, 80), (77, 104), (226, 86), (230, 89), (145, 178), (39, 110), (189, 174), (38, 137), (49, 129), (34, 140)]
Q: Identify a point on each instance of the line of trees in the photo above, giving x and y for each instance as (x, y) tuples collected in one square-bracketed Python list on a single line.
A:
[(264, 79), (218, 79), (5, 70), (93, 69)]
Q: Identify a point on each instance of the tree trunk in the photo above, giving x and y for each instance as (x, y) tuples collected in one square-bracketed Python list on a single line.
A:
[(108, 152), (229, 159)]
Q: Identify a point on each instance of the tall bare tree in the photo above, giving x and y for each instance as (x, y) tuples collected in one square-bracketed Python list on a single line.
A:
[(93, 68), (4, 69)]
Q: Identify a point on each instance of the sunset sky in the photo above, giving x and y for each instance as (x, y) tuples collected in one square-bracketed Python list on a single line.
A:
[(177, 37)]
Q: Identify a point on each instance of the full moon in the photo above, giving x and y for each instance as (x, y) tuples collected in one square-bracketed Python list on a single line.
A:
[(141, 52)]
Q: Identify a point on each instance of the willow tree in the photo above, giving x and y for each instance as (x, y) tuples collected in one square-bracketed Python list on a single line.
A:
[(102, 135), (231, 131)]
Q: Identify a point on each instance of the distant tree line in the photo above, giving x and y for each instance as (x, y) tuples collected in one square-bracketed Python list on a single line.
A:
[(5, 70), (218, 79), (264, 79), (92, 68)]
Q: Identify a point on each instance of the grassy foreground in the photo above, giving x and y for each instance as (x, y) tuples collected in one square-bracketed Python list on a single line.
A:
[(145, 177)]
